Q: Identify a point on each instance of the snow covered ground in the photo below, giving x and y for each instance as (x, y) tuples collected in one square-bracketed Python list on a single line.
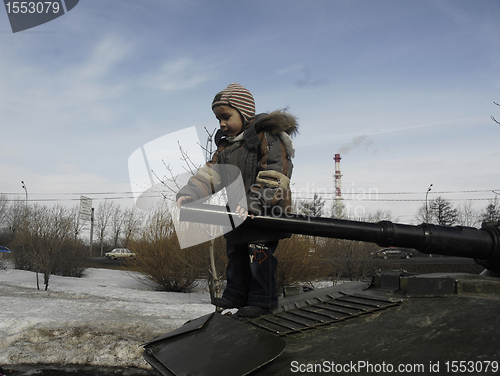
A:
[(101, 319)]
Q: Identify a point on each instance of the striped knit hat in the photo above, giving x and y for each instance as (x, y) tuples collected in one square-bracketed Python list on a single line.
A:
[(238, 97)]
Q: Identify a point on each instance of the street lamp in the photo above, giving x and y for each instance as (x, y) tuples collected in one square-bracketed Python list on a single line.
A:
[(426, 204), (26, 192)]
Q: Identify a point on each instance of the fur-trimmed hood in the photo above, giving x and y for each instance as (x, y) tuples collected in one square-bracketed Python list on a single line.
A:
[(279, 122)]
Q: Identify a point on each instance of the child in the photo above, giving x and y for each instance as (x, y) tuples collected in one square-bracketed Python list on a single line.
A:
[(261, 147)]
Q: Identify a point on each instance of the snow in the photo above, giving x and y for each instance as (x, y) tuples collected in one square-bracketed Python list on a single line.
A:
[(101, 319)]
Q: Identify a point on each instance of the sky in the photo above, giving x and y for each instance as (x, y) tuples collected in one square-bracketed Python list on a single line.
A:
[(404, 91)]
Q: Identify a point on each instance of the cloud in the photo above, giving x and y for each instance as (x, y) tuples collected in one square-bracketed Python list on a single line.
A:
[(356, 142), (106, 55), (308, 80), (180, 74), (304, 76), (63, 95)]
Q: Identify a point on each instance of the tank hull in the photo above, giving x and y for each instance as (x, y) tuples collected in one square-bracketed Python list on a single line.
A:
[(396, 323), (423, 335)]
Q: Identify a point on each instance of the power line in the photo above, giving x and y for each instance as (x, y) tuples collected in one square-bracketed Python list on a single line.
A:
[(399, 200), (71, 193), (367, 191), (370, 196), (362, 190)]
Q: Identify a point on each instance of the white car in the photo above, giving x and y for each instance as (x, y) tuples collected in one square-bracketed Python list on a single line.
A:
[(119, 253)]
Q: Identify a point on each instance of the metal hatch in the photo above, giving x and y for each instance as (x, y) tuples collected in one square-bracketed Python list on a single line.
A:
[(320, 311)]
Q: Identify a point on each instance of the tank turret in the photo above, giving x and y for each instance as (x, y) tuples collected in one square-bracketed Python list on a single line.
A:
[(483, 245), (398, 322)]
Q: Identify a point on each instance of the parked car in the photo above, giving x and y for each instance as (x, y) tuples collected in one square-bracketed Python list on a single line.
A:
[(3, 252), (387, 253), (120, 253)]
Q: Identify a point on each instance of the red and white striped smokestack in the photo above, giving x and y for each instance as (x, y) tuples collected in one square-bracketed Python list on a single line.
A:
[(338, 177)]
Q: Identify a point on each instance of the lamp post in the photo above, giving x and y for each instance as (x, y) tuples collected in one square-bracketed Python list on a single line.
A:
[(26, 193), (426, 204), (427, 208), (26, 218)]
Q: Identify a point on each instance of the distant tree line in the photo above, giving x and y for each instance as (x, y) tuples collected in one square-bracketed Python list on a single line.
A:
[(442, 212)]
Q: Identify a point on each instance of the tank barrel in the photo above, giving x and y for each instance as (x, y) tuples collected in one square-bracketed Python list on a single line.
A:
[(479, 244)]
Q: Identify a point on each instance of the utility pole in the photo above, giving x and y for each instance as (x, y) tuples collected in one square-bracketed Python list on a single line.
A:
[(91, 230)]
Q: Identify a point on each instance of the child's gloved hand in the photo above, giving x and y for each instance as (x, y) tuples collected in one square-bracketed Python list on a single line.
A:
[(181, 199), (242, 212)]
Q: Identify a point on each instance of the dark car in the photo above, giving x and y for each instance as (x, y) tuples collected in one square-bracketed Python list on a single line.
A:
[(387, 253)]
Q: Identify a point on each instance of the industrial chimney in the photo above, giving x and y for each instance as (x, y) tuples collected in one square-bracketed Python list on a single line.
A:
[(338, 205)]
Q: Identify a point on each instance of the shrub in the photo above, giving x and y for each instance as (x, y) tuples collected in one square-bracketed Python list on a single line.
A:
[(43, 241), (161, 261), (72, 261), (348, 259), (297, 261)]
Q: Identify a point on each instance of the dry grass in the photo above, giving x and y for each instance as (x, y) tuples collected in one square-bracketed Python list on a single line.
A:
[(297, 261)]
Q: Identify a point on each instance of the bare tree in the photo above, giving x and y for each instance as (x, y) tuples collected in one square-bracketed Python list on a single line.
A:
[(102, 219), (422, 214), (42, 235), (77, 224), (493, 118), (116, 224), (378, 216), (132, 222), (214, 278), (4, 207), (170, 181), (467, 216), (15, 217)]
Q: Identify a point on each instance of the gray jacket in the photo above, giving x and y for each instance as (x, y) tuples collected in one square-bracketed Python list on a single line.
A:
[(263, 155)]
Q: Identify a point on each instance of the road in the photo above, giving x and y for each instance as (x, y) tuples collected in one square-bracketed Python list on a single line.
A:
[(103, 262), (431, 260)]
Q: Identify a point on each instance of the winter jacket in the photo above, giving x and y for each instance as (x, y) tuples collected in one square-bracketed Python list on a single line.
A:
[(263, 155)]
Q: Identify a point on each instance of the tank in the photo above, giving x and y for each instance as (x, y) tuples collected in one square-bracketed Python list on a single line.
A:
[(397, 322)]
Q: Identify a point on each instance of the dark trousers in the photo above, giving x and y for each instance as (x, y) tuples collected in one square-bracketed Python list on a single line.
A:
[(250, 274)]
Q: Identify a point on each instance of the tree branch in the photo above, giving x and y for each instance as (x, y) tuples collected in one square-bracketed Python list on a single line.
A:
[(492, 118)]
